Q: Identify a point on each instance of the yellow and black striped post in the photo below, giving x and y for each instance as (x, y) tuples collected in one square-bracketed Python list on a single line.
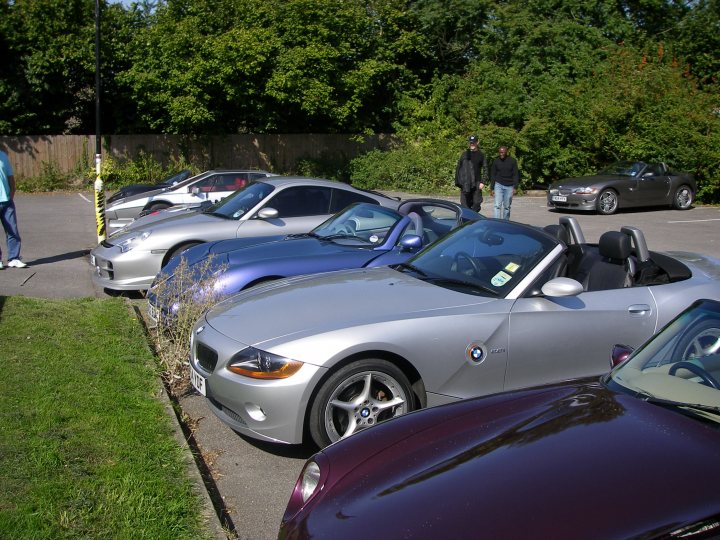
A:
[(99, 200)]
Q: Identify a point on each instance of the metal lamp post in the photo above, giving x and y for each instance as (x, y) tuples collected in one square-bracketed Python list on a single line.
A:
[(99, 193)]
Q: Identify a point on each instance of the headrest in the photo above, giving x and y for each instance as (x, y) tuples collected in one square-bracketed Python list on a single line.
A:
[(559, 232), (615, 245)]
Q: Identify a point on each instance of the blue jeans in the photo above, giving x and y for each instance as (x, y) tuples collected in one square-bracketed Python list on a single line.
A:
[(503, 200), (9, 223)]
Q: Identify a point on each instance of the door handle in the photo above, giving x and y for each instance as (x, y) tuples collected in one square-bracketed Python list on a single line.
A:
[(639, 310)]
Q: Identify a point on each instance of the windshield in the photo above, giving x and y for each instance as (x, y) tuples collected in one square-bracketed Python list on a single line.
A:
[(680, 364), (489, 257), (369, 223), (176, 178), (189, 180), (622, 168), (237, 204)]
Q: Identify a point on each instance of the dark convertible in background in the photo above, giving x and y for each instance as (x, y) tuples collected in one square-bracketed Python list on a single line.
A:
[(624, 184)]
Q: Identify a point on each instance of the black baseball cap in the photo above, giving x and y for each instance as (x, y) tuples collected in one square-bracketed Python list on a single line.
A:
[(473, 139)]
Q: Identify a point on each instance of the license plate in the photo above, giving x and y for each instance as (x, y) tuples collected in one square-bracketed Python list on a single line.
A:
[(198, 381), (559, 198), (92, 260)]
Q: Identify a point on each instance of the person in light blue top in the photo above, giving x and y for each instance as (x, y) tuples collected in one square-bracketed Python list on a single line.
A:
[(8, 217)]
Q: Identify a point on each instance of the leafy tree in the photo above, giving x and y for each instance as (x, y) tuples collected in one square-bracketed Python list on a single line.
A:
[(50, 45), (698, 41), (566, 93), (47, 82)]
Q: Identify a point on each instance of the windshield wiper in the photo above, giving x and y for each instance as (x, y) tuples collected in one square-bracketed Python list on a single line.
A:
[(338, 236), (691, 409), (217, 214), (410, 267), (463, 284)]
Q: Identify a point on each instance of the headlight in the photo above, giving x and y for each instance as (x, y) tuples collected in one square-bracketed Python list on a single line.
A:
[(309, 480), (553, 191), (585, 191), (129, 243), (259, 364)]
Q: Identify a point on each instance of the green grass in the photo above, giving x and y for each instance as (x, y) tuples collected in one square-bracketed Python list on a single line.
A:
[(86, 448)]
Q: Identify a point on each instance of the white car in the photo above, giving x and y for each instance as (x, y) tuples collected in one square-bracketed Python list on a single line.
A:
[(208, 186)]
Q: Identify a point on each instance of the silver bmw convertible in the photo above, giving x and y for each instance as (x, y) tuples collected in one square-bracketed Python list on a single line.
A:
[(131, 258), (495, 305)]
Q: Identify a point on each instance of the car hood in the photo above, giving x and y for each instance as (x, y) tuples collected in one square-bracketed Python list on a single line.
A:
[(222, 247), (582, 181), (563, 460), (140, 196), (306, 305), (190, 219), (293, 248)]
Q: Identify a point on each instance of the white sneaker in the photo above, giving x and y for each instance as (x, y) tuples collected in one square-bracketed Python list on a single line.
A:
[(17, 263)]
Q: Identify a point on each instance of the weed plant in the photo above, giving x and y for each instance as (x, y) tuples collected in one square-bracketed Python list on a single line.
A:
[(183, 297)]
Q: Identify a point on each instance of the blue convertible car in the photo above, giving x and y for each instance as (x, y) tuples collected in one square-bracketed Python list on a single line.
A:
[(362, 235)]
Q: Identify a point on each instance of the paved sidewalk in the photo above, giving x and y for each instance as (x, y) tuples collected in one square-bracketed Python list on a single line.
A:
[(58, 231)]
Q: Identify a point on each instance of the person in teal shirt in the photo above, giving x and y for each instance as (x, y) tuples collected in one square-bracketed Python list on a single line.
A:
[(8, 217)]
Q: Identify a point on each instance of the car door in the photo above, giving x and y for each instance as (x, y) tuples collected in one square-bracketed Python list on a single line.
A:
[(199, 191), (557, 338), (654, 186), (300, 209), (219, 186)]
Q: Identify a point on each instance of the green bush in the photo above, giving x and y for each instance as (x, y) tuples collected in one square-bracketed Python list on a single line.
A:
[(412, 168), (330, 166), (144, 169)]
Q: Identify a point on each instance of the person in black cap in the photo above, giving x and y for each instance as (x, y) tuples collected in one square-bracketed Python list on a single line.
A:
[(471, 175)]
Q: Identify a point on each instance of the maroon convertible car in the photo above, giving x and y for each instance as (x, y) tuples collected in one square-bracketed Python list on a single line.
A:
[(635, 454)]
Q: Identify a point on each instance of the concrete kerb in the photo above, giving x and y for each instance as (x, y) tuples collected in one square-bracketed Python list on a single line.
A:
[(181, 434)]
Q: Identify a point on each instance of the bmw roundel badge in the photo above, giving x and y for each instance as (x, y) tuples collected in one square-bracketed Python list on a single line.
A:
[(476, 353)]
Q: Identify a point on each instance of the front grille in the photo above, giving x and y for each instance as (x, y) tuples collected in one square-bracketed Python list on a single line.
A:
[(229, 412), (206, 357)]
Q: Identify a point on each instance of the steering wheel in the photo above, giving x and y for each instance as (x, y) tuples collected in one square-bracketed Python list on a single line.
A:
[(463, 256), (345, 228), (707, 379)]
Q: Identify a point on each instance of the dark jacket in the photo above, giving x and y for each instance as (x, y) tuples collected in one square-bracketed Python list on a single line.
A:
[(471, 170), (505, 172)]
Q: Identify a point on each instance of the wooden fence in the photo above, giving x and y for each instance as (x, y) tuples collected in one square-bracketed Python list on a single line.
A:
[(29, 155)]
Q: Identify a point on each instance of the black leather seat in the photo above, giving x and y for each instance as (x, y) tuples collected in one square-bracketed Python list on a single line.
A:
[(616, 267)]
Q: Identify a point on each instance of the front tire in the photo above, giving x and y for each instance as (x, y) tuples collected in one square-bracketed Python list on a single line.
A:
[(179, 249), (356, 397), (158, 206), (683, 198), (607, 202)]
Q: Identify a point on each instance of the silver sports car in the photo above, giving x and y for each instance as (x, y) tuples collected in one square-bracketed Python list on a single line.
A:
[(494, 305), (131, 258)]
